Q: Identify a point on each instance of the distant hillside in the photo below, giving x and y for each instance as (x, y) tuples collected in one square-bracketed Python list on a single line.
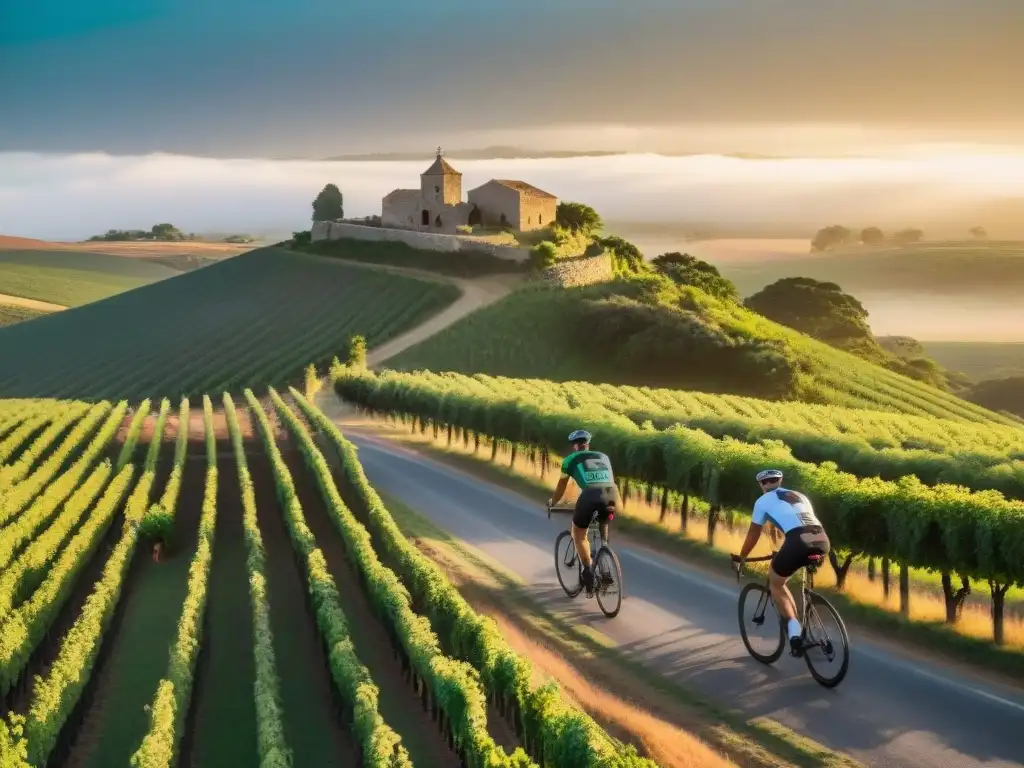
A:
[(251, 320), (649, 333), (942, 267), (979, 360)]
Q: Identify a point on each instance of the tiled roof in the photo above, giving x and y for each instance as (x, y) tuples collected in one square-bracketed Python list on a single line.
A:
[(523, 188), (402, 193)]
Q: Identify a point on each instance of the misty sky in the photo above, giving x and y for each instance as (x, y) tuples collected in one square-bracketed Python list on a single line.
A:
[(313, 78)]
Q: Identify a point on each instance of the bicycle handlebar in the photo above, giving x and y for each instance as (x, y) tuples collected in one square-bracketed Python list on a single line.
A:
[(739, 568), (763, 558)]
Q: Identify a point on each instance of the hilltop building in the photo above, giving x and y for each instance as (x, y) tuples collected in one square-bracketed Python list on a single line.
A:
[(437, 206)]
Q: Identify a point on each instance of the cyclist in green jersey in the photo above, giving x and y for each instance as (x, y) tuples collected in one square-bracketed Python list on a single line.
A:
[(592, 472)]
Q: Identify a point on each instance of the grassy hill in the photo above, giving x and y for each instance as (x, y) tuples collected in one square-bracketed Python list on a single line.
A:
[(652, 333), (72, 278), (254, 319)]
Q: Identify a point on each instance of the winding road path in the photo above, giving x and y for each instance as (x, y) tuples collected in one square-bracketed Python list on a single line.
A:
[(891, 710)]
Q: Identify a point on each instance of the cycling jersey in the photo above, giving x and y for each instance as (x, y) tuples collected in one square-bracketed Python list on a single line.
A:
[(589, 469), (786, 509)]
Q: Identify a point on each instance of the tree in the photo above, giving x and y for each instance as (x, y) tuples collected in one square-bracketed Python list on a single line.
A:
[(577, 217), (872, 236), (329, 204), (979, 233), (816, 308), (626, 257), (166, 232), (684, 269), (908, 236), (827, 238)]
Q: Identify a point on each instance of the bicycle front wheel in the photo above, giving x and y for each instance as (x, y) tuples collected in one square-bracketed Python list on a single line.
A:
[(567, 564), (760, 625), (826, 646), (608, 582)]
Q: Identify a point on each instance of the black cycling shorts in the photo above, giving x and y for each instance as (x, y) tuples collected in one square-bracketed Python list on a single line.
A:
[(598, 501), (799, 544)]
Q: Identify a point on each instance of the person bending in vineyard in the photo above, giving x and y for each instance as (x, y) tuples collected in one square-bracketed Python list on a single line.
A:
[(592, 472), (792, 513)]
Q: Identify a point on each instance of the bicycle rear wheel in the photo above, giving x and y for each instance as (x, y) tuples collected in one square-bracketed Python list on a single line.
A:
[(755, 600), (608, 582), (567, 564), (822, 646)]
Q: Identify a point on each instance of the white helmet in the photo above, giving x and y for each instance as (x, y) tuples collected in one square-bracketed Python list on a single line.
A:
[(769, 474)]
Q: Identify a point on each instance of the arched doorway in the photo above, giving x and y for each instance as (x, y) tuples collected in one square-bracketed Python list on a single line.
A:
[(437, 221), (425, 218)]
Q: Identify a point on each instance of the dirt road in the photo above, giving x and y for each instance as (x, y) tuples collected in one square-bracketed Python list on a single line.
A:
[(476, 293)]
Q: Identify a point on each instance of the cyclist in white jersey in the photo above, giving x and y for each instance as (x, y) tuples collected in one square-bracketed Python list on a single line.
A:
[(791, 512)]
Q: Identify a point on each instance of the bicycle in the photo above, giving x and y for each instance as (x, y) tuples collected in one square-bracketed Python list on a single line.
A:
[(809, 605), (607, 571)]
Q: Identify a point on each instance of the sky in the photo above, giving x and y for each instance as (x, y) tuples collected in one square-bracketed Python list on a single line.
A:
[(314, 78)]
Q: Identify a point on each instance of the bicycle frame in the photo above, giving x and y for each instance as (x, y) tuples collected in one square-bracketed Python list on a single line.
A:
[(593, 533), (805, 590)]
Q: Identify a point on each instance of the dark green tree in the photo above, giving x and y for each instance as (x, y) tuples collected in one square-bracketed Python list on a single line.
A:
[(329, 204), (684, 269), (979, 233), (578, 217), (818, 309), (166, 232)]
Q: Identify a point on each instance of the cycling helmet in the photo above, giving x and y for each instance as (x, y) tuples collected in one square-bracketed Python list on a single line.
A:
[(769, 474), (580, 435)]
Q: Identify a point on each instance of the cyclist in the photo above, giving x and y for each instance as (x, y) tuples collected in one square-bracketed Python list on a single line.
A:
[(592, 471), (792, 513)]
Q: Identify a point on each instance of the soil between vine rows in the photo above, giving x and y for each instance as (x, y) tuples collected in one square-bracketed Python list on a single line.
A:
[(316, 736), (400, 706)]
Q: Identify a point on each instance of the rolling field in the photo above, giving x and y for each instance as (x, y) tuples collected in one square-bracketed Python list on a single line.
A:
[(254, 319), (939, 267), (215, 586), (70, 279), (73, 274)]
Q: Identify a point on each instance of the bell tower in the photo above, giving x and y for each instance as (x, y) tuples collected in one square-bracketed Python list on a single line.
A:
[(441, 183)]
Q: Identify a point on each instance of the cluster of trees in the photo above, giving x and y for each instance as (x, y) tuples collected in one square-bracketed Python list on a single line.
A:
[(836, 236), (163, 232)]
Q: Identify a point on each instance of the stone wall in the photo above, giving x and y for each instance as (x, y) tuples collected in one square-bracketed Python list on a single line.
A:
[(429, 241), (586, 270)]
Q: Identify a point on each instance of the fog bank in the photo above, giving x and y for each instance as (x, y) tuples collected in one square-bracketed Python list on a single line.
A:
[(70, 197)]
